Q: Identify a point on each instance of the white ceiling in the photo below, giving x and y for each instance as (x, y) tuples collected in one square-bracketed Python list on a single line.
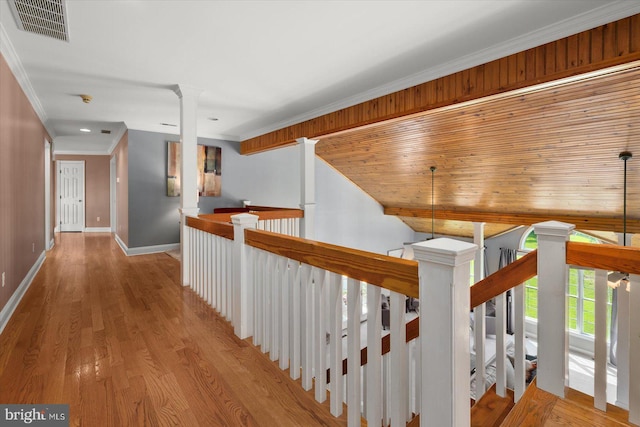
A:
[(262, 64)]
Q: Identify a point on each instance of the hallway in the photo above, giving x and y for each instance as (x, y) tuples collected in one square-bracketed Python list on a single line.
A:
[(120, 341)]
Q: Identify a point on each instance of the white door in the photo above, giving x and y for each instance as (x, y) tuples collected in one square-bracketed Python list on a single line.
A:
[(71, 195)]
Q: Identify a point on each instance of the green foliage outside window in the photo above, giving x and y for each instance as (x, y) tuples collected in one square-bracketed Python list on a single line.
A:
[(581, 291)]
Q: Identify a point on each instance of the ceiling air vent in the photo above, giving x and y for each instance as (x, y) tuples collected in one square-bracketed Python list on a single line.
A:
[(108, 132), (44, 17)]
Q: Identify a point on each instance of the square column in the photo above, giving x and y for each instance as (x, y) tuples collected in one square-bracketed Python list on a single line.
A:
[(443, 272), (242, 277), (307, 186), (553, 336), (188, 168)]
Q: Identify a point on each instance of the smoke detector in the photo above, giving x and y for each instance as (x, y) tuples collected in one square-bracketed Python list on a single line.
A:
[(86, 98), (45, 17)]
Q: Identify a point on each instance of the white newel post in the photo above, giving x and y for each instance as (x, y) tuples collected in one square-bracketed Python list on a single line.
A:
[(553, 338), (307, 186), (444, 331), (242, 277), (188, 169)]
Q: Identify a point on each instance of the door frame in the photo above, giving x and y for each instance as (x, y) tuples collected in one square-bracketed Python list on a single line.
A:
[(47, 195), (59, 164), (112, 194)]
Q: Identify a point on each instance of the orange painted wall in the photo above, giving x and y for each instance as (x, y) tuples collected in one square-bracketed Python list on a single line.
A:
[(96, 182), (22, 217)]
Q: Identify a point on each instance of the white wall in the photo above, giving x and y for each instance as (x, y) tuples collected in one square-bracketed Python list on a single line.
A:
[(347, 216)]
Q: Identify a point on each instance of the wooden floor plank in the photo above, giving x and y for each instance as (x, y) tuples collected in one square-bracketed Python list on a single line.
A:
[(123, 343)]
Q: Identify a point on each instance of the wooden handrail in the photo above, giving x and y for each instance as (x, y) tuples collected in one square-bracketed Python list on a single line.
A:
[(504, 279), (218, 228), (263, 213), (605, 257), (395, 274)]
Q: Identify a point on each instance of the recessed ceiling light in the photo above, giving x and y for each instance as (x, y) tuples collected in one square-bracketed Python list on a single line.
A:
[(85, 130)]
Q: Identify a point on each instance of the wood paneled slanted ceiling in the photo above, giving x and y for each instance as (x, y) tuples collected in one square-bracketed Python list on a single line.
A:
[(530, 137), (549, 153)]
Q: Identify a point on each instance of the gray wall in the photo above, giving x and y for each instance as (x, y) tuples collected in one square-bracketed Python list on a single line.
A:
[(153, 217), (347, 216), (270, 178)]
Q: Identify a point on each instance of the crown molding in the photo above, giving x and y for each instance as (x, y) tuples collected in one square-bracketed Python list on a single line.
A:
[(117, 137), (608, 12), (13, 60)]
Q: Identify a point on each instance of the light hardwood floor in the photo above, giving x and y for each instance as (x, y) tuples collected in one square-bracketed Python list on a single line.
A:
[(120, 341)]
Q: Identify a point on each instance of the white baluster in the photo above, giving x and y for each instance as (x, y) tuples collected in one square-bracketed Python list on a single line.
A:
[(320, 334), (258, 257), (600, 342), (284, 314), (307, 327), (373, 368), (479, 329), (634, 348), (398, 355), (274, 354), (336, 385), (501, 345), (354, 313), (267, 295), (519, 342), (296, 342)]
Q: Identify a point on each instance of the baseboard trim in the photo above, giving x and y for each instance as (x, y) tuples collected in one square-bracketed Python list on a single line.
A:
[(97, 229), (12, 304), (121, 244), (144, 250)]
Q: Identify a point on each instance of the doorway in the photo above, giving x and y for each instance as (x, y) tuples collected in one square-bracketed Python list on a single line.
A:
[(70, 195)]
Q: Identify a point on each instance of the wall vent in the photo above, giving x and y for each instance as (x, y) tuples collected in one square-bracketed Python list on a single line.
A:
[(44, 17), (108, 132)]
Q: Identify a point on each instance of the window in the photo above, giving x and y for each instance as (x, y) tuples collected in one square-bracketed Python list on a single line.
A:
[(580, 293)]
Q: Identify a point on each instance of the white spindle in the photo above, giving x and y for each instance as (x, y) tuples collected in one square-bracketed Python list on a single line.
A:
[(399, 375), (284, 315), (267, 295), (218, 279), (354, 313), (479, 329), (600, 342), (229, 269), (622, 351), (373, 368), (274, 353), (296, 342), (519, 342), (335, 343), (320, 334), (501, 347), (634, 348), (307, 327), (258, 256)]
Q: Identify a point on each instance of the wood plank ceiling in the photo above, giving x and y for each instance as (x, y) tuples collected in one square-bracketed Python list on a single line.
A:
[(530, 137), (515, 158)]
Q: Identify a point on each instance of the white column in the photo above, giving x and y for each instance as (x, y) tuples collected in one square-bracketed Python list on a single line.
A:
[(188, 168), (553, 337), (444, 331), (242, 277), (308, 186)]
